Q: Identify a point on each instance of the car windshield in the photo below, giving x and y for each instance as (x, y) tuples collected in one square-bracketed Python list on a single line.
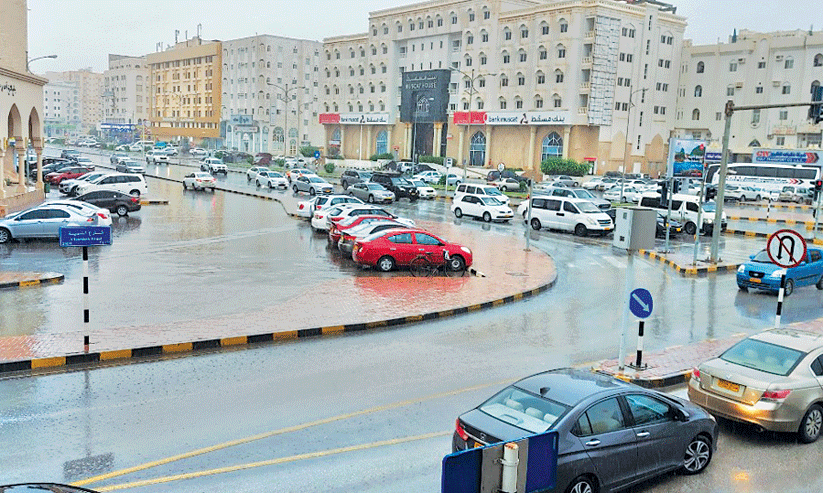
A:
[(316, 179), (583, 194), (275, 174), (401, 181), (762, 257), (524, 410), (587, 207), (491, 201), (374, 186), (709, 207), (418, 183), (763, 356), (493, 191)]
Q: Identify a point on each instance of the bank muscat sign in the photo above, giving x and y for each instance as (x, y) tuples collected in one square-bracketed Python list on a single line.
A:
[(354, 118), (510, 118)]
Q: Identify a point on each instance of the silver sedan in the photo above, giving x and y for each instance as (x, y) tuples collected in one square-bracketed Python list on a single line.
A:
[(311, 184), (371, 192)]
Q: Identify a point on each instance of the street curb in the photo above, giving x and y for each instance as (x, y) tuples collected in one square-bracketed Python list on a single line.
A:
[(753, 234), (44, 278), (651, 383), (689, 271), (791, 222), (46, 364), (802, 207), (154, 202)]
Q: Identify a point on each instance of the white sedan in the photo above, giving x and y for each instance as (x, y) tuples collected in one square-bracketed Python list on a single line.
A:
[(199, 180), (198, 152), (428, 176), (271, 179), (593, 183), (629, 194), (488, 208), (251, 173), (425, 191)]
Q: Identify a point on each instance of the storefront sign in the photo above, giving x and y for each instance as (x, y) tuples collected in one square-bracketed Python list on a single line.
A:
[(469, 117), (241, 120), (424, 96), (329, 118), (511, 118), (365, 118), (245, 128), (787, 156)]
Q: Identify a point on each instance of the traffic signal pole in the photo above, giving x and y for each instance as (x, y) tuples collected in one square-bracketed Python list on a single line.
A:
[(817, 188)]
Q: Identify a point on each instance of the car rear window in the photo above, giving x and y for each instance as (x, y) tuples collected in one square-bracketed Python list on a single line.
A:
[(763, 356), (524, 410)]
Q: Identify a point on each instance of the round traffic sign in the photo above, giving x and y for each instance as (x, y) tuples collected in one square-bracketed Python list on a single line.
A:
[(501, 167), (786, 248), (641, 303)]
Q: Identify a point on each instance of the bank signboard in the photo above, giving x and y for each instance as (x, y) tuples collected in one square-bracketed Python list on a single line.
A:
[(512, 118), (787, 156), (364, 118)]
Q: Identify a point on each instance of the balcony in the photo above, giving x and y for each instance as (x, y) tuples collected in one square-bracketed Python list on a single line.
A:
[(589, 35), (784, 130), (586, 61), (583, 110), (585, 86)]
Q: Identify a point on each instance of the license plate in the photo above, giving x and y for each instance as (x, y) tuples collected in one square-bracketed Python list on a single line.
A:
[(756, 280), (725, 384), (478, 445)]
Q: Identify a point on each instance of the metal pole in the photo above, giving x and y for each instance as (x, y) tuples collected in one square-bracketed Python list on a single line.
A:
[(529, 220), (471, 97), (638, 362), (699, 218), (621, 357), (721, 185), (669, 211), (816, 216), (510, 461), (86, 298), (626, 147), (780, 300), (286, 117)]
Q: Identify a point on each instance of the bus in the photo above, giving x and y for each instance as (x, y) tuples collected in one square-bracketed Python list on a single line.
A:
[(768, 177)]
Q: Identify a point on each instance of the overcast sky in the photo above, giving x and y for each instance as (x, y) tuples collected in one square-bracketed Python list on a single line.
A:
[(83, 32)]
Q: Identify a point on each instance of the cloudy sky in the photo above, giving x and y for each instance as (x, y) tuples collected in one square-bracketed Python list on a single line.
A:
[(83, 32)]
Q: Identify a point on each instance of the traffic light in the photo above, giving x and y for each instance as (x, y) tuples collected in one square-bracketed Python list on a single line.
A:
[(663, 188), (711, 193), (818, 185), (676, 186)]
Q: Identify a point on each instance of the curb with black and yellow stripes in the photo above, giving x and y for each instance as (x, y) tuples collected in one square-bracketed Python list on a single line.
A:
[(47, 278), (91, 358), (689, 271), (809, 225)]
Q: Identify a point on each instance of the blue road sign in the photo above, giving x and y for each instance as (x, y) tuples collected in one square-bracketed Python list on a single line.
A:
[(316, 154), (640, 303), (79, 236)]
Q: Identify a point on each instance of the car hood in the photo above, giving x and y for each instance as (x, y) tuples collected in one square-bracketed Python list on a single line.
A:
[(762, 267)]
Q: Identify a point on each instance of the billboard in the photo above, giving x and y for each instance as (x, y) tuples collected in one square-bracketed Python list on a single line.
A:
[(424, 96), (784, 156), (685, 155), (511, 118)]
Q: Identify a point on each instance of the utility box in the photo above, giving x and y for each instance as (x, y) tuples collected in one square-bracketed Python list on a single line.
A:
[(635, 228)]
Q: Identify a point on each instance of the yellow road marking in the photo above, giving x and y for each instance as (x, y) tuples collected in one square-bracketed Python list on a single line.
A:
[(48, 362), (272, 462), (281, 431)]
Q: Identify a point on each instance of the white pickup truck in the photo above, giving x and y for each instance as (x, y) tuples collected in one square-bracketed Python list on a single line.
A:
[(157, 156)]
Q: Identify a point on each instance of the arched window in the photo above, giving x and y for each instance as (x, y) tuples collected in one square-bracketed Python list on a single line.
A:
[(477, 149), (502, 102), (538, 101), (557, 100), (815, 85), (544, 28), (479, 103), (277, 138), (382, 106), (543, 53), (521, 55), (564, 25), (696, 114), (541, 77), (552, 146), (382, 142), (335, 135), (700, 67), (507, 34), (518, 103), (561, 51), (818, 60), (506, 57), (698, 91), (558, 76)]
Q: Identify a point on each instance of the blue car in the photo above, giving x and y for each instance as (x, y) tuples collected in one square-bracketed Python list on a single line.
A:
[(761, 273)]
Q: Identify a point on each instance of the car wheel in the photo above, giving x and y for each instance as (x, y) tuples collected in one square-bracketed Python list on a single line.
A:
[(698, 456), (811, 424), (819, 284), (294, 188), (487, 217), (385, 264), (757, 199), (458, 213), (5, 235), (270, 186), (371, 199), (456, 263), (311, 191), (582, 484), (789, 287), (135, 193), (536, 224), (258, 183), (122, 210), (690, 228), (742, 288), (580, 230)]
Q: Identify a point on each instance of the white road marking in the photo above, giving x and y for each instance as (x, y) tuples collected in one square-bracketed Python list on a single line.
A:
[(613, 260)]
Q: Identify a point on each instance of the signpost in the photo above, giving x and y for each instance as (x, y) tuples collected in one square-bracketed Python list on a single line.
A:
[(641, 305), (786, 248), (85, 236)]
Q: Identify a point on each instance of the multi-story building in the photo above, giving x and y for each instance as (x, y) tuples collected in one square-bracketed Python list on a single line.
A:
[(512, 81), (61, 109), (126, 91), (90, 85), (751, 69), (271, 89), (185, 92)]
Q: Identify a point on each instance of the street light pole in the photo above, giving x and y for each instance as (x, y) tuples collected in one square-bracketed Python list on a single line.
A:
[(472, 78), (37, 58), (286, 97), (628, 143)]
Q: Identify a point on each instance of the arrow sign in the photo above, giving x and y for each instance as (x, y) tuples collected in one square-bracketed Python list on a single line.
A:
[(641, 303)]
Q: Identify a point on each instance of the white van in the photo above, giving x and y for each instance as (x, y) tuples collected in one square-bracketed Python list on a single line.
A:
[(128, 183), (567, 214), (480, 191), (685, 209)]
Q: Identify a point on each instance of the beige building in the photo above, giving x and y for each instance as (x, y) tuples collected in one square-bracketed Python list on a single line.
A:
[(61, 110), (90, 85), (126, 90), (185, 92), (589, 80), (21, 110)]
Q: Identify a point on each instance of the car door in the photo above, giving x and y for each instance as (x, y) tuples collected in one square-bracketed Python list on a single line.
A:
[(815, 266), (29, 224), (659, 439), (402, 248), (610, 444), (358, 190), (469, 205), (568, 217), (553, 208), (804, 273), (51, 221), (430, 246)]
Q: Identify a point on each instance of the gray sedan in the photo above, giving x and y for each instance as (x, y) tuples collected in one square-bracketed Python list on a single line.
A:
[(611, 434), (311, 184), (371, 193)]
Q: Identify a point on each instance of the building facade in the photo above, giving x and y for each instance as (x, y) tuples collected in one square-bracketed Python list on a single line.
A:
[(126, 91), (184, 104), (271, 91), (61, 110), (21, 111), (90, 85), (752, 68), (585, 79)]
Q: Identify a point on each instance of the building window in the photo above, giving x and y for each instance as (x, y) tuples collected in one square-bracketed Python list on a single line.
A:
[(755, 117), (483, 59), (454, 19), (558, 77), (504, 81), (522, 56), (541, 78), (698, 91), (781, 141), (382, 142), (502, 104), (544, 29), (521, 80), (552, 146), (506, 57), (518, 103), (784, 115), (758, 90), (486, 14), (469, 39), (787, 89), (471, 16), (696, 114), (557, 101), (700, 67), (507, 34), (733, 67), (561, 52), (477, 149), (818, 60), (484, 37), (524, 33), (730, 91), (761, 64), (564, 26), (789, 63), (538, 102)]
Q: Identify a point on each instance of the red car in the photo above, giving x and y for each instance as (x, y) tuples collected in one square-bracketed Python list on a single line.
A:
[(398, 247), (337, 229), (67, 174)]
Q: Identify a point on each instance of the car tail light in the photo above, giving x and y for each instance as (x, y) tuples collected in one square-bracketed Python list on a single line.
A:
[(460, 431), (319, 216), (135, 199), (696, 374), (300, 207), (102, 215), (775, 395)]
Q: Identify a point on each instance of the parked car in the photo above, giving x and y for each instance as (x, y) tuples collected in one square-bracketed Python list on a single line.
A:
[(424, 191), (762, 274), (593, 183), (199, 180), (271, 179), (262, 159), (371, 193), (611, 434), (292, 174), (68, 187), (565, 180), (128, 183), (342, 211), (130, 166), (116, 202), (566, 214), (480, 191), (387, 250), (307, 208), (117, 156), (488, 208), (122, 147), (675, 228), (71, 154), (495, 175), (45, 220), (453, 180), (157, 156), (793, 193), (771, 380), (70, 173), (394, 182), (324, 204), (50, 164), (580, 193), (337, 229), (350, 177), (430, 176), (686, 209), (170, 150), (628, 193), (507, 184), (214, 165), (198, 152), (251, 173), (349, 236), (311, 184)]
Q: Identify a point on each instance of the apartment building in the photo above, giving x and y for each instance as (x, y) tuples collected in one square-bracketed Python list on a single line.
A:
[(90, 86), (752, 68), (126, 92), (510, 82), (271, 89), (184, 103), (61, 109)]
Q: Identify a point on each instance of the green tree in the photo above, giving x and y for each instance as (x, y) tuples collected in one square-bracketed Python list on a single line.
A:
[(562, 166)]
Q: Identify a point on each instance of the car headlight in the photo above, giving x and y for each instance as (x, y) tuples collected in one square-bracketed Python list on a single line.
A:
[(776, 274), (466, 249), (742, 268), (591, 221), (709, 220)]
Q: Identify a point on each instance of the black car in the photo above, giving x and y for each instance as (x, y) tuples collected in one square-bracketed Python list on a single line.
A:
[(674, 227), (116, 202), (70, 154), (49, 163), (56, 166), (350, 177), (611, 434), (507, 173), (397, 184), (419, 168)]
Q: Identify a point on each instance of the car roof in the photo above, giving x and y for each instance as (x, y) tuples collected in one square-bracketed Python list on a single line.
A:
[(791, 338), (571, 384)]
